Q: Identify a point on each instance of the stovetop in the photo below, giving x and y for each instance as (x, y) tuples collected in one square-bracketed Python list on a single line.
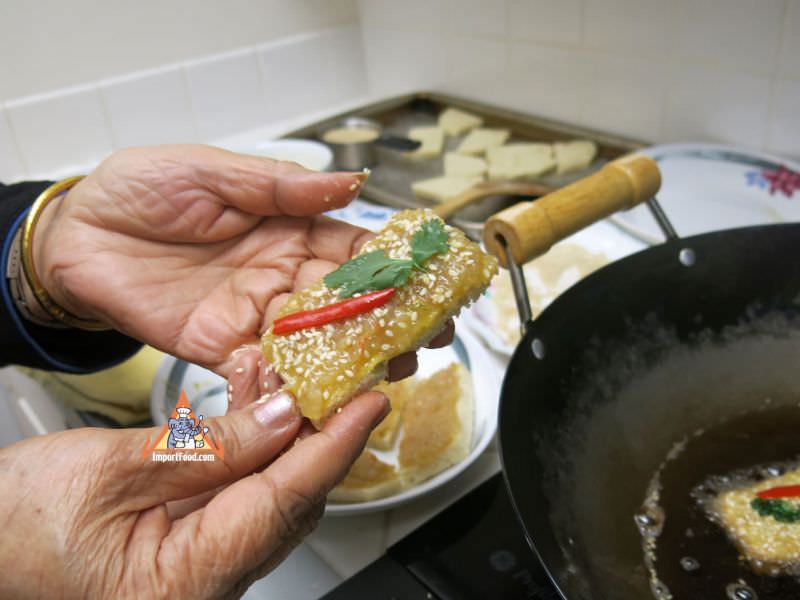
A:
[(475, 548)]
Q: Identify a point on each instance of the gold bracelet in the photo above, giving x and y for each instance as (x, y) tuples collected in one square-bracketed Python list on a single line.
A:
[(42, 296)]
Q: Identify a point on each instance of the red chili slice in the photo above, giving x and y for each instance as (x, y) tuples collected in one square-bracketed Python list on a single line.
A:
[(345, 309), (784, 491)]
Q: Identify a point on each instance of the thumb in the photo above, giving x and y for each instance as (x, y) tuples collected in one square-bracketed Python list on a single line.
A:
[(249, 438), (254, 518)]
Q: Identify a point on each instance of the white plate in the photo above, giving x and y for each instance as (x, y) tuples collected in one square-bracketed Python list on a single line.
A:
[(706, 188), (207, 393), (363, 214), (308, 153), (485, 319)]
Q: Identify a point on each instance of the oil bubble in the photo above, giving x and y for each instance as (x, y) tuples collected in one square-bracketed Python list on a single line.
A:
[(740, 591), (689, 564)]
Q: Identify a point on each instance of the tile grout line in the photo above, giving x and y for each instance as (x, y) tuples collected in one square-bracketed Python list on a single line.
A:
[(15, 140)]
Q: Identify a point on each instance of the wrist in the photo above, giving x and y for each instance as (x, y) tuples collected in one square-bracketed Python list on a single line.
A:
[(39, 233)]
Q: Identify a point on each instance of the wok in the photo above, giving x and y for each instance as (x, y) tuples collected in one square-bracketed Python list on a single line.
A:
[(669, 367)]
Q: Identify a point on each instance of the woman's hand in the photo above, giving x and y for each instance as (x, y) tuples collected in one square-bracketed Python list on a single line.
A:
[(193, 249), (86, 516)]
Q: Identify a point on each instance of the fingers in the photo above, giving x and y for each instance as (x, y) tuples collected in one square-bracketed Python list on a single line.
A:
[(250, 438), (252, 519), (444, 337), (402, 366), (243, 381), (266, 187)]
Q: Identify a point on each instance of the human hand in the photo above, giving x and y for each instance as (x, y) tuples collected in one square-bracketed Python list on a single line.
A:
[(193, 249), (85, 517)]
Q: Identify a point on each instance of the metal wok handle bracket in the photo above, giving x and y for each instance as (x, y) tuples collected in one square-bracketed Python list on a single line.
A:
[(528, 229)]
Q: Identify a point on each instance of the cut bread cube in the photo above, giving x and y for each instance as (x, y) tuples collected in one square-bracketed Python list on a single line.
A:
[(457, 122), (368, 479), (518, 161), (479, 140), (384, 435), (431, 138), (458, 165), (325, 366), (574, 156), (437, 424), (770, 545), (441, 189)]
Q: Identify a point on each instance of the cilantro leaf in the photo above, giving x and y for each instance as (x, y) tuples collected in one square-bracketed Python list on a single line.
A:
[(376, 271), (364, 264), (371, 271), (393, 275), (429, 240)]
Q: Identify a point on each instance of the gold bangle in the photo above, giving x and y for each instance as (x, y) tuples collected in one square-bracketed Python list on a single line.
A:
[(42, 296)]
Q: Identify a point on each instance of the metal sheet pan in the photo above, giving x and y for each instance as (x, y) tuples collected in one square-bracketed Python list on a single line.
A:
[(391, 179)]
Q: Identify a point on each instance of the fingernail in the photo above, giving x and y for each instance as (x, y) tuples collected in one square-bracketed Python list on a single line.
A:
[(275, 409)]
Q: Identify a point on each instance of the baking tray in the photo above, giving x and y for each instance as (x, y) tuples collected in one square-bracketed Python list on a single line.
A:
[(391, 178)]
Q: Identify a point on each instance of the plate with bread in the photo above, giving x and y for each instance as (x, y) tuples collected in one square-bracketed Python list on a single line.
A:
[(442, 419)]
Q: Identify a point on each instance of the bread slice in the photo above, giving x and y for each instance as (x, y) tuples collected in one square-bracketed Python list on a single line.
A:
[(518, 161), (441, 189), (457, 122), (458, 165), (324, 367), (574, 156), (770, 545), (432, 139), (479, 140), (384, 435), (437, 424), (368, 479)]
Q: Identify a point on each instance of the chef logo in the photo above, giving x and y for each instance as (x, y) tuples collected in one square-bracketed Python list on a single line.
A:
[(185, 438)]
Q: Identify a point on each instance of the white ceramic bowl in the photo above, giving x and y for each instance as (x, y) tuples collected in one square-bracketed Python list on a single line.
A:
[(308, 153)]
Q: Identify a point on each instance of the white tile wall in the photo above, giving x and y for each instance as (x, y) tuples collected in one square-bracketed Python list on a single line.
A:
[(789, 62), (149, 108), (202, 100), (548, 21), (227, 93), (624, 95), (475, 17), (417, 15), (638, 27), (344, 60), (784, 130), (294, 64), (704, 104), (61, 130), (714, 70), (743, 34), (11, 168), (468, 57), (400, 60)]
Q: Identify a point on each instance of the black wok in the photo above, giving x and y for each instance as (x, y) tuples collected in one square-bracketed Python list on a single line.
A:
[(692, 341)]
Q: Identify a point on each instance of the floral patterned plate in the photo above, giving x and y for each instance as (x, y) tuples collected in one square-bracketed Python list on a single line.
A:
[(706, 188)]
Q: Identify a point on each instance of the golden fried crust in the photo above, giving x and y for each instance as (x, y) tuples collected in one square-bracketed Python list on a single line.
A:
[(771, 546), (325, 367)]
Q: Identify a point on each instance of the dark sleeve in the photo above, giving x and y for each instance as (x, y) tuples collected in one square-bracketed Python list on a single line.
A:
[(25, 343)]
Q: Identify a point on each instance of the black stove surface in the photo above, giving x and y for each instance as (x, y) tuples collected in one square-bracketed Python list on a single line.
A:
[(475, 548)]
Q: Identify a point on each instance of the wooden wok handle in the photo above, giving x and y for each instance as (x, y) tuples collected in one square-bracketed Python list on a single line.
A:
[(490, 188), (531, 228)]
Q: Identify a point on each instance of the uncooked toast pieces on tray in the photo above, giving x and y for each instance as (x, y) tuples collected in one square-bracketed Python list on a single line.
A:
[(325, 366)]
